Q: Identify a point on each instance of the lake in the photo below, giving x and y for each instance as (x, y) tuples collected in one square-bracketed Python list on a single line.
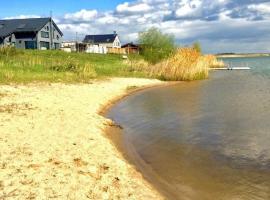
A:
[(205, 139)]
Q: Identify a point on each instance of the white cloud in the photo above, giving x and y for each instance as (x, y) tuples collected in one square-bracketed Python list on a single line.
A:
[(133, 8), (188, 8), (83, 15), (262, 8), (23, 17)]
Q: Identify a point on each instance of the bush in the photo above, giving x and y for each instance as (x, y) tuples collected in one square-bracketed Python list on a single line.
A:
[(197, 47), (156, 46)]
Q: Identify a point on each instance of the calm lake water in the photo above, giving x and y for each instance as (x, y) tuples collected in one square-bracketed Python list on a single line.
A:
[(205, 139)]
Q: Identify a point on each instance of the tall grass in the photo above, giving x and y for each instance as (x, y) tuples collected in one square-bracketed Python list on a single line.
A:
[(57, 66), (185, 65)]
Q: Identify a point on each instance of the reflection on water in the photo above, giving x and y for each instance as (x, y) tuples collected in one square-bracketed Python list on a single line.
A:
[(207, 139)]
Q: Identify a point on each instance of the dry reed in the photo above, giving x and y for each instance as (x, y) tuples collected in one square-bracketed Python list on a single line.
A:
[(186, 64)]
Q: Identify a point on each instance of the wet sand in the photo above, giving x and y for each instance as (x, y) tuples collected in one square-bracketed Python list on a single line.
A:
[(53, 144)]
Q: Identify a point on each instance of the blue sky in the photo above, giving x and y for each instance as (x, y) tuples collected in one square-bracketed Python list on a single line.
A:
[(59, 7), (220, 25)]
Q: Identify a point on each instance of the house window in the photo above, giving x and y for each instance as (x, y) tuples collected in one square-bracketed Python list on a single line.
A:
[(57, 37), (56, 45), (44, 34), (47, 28), (44, 45)]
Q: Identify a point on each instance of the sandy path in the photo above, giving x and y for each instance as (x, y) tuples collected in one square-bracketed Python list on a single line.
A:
[(53, 145)]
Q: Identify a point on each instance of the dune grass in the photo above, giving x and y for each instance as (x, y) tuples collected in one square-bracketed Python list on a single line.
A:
[(23, 66)]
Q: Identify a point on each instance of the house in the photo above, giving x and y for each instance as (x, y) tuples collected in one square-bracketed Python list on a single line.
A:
[(102, 43), (131, 48), (34, 33)]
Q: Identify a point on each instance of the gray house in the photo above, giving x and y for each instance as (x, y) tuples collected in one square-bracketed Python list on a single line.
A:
[(35, 33)]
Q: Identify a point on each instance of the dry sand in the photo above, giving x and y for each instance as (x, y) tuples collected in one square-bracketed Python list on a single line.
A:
[(53, 144)]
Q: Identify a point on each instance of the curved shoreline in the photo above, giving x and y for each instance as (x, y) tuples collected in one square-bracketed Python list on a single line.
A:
[(114, 133)]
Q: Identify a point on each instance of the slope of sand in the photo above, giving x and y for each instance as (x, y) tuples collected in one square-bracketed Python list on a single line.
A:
[(53, 144)]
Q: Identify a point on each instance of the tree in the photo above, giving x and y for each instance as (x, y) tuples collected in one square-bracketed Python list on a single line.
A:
[(197, 47), (156, 46)]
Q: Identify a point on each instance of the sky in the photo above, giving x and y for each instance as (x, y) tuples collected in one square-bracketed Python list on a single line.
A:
[(219, 25)]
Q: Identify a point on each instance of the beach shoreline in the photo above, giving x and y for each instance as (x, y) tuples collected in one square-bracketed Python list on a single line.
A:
[(54, 145)]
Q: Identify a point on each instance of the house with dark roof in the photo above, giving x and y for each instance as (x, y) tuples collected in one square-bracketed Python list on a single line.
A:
[(107, 40), (34, 33)]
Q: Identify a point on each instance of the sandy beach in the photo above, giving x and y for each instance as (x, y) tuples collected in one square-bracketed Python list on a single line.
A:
[(53, 144)]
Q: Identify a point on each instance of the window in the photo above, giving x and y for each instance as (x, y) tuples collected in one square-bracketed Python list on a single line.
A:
[(47, 28), (30, 44), (44, 45), (44, 34), (56, 45), (57, 37)]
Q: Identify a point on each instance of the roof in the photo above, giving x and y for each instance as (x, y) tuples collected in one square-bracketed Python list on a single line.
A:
[(10, 26), (97, 39), (130, 45)]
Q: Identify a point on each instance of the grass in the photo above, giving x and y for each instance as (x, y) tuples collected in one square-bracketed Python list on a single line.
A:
[(23, 66)]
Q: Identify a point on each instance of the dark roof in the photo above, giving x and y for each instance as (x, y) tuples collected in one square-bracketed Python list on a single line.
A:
[(97, 39), (130, 45), (10, 26)]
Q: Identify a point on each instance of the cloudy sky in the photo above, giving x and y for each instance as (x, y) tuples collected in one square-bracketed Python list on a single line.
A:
[(220, 25)]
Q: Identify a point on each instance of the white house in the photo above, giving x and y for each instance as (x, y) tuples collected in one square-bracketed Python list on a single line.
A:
[(102, 43)]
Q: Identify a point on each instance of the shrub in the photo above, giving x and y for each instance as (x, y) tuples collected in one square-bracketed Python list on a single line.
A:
[(197, 47), (156, 46)]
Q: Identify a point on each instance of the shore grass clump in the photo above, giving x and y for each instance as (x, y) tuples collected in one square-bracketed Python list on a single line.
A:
[(186, 64)]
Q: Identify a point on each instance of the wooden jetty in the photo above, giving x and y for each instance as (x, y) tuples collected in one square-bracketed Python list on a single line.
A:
[(232, 68)]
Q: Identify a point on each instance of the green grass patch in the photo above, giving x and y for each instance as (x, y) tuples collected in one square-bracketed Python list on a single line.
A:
[(24, 66)]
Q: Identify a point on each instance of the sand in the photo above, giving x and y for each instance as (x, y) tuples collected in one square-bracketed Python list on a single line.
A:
[(54, 146)]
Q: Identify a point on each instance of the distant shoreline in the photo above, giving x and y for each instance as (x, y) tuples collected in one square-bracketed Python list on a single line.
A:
[(247, 55)]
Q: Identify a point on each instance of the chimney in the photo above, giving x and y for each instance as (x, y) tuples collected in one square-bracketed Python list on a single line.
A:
[(114, 32)]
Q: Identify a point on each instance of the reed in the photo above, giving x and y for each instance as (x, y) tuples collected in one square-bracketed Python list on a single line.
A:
[(185, 65)]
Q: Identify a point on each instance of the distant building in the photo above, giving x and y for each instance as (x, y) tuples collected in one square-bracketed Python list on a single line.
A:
[(34, 33), (102, 43), (73, 46), (131, 48)]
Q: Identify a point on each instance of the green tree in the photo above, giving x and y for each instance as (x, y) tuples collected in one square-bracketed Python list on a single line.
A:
[(197, 47), (156, 46)]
